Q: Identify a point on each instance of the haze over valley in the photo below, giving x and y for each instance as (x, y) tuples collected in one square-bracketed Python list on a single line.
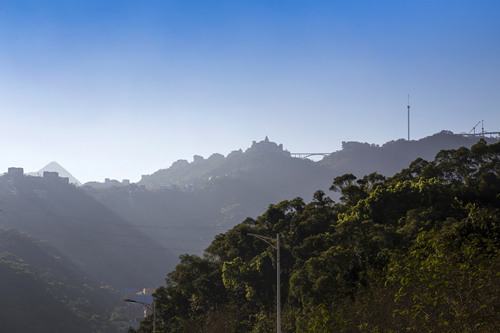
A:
[(128, 236), (181, 209), (249, 166)]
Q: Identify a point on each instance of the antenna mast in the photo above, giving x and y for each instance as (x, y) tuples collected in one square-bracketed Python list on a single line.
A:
[(408, 117)]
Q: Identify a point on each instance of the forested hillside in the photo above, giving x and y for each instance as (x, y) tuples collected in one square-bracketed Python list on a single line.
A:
[(43, 291), (415, 252)]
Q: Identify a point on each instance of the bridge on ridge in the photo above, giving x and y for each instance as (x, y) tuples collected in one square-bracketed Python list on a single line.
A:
[(307, 155)]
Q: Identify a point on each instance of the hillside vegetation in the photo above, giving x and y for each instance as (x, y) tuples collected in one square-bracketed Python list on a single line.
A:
[(418, 251), (43, 291)]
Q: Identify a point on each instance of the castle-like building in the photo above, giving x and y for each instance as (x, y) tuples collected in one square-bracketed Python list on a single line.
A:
[(267, 146)]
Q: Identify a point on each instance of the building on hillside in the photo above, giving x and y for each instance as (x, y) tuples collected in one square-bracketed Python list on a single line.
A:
[(15, 172), (108, 182), (51, 175), (267, 146), (356, 145)]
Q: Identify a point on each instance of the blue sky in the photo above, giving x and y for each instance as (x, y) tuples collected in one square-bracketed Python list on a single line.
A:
[(122, 88)]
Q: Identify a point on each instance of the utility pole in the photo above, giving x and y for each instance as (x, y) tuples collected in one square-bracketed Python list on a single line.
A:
[(276, 246), (151, 307)]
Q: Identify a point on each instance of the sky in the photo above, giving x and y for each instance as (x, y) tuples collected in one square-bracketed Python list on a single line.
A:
[(118, 88)]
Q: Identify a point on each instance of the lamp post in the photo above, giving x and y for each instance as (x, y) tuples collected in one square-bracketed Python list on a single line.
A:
[(276, 246), (151, 308)]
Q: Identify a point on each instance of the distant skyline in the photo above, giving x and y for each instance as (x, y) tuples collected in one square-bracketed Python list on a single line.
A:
[(117, 88)]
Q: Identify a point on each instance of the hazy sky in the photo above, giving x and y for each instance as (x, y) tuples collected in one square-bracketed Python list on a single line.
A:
[(123, 88)]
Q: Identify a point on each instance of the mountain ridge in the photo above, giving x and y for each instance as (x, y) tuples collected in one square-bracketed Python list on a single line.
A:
[(183, 173), (208, 196)]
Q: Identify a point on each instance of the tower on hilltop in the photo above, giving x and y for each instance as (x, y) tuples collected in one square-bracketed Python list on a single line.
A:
[(408, 117)]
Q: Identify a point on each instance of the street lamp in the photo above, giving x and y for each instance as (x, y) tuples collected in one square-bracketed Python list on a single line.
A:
[(151, 308), (276, 246)]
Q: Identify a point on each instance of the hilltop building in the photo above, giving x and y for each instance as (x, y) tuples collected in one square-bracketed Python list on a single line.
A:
[(54, 176), (50, 175), (267, 146), (15, 172)]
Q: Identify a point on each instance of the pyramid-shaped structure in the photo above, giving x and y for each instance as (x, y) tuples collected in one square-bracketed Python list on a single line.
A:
[(56, 167)]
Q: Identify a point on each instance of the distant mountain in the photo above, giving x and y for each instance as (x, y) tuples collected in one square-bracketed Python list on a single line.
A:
[(106, 247), (363, 158), (213, 197), (266, 157), (187, 204), (264, 154)]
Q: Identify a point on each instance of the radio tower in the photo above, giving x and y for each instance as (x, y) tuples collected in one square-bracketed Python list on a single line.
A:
[(408, 117)]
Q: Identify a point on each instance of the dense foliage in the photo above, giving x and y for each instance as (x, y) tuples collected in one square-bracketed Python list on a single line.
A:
[(415, 252)]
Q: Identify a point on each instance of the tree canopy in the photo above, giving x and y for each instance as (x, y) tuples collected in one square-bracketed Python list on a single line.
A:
[(415, 252)]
